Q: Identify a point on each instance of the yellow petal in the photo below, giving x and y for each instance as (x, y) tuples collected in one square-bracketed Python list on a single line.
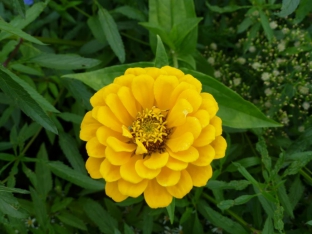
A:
[(117, 158), (142, 90), (172, 71), (206, 155), (124, 80), (217, 123), (191, 80), (156, 196), (178, 90), (219, 144), (199, 175), (97, 98), (128, 101), (176, 164), (120, 146), (95, 148), (128, 172), (177, 115), (118, 109), (180, 143), (126, 132), (168, 177), (109, 172), (140, 147), (106, 117), (93, 167), (154, 72), (189, 155), (130, 189), (163, 87), (144, 171), (183, 187), (206, 136), (156, 160), (209, 104), (104, 132), (191, 125), (111, 190), (89, 126), (203, 117), (193, 97), (135, 71)]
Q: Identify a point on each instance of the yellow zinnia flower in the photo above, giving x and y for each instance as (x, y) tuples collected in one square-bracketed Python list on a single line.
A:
[(152, 131)]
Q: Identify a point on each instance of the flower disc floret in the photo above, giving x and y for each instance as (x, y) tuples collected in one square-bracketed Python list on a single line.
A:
[(152, 132)]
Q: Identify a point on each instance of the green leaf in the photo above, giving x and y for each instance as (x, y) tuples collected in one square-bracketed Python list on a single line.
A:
[(303, 10), (268, 206), (69, 147), (65, 172), (39, 207), (284, 199), (161, 58), (296, 191), (278, 218), (266, 26), (130, 12), (309, 222), (96, 29), (70, 117), (60, 205), (112, 34), (127, 229), (130, 201), (233, 184), (268, 226), (170, 210), (64, 61), (219, 220), (26, 69), (244, 25), (230, 8), (20, 22), (12, 190), (262, 149), (288, 7), (245, 162), (71, 220), (8, 206), (226, 204), (100, 78), (234, 111), (43, 173), (20, 5), (14, 88), (99, 216), (43, 103), (147, 221), (17, 32)]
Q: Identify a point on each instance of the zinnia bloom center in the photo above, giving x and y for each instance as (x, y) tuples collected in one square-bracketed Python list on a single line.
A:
[(150, 129)]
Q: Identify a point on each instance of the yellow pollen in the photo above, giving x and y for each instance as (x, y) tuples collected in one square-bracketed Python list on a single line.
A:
[(150, 129)]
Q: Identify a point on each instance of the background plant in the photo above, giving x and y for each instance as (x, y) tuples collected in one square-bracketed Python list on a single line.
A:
[(55, 53)]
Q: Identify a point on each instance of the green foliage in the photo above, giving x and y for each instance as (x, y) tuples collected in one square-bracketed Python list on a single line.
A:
[(253, 56)]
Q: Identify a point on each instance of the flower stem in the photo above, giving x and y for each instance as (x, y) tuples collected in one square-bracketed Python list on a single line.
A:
[(175, 59), (12, 55), (234, 215), (305, 175)]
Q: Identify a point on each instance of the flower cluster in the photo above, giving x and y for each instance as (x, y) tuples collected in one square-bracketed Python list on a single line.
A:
[(152, 131)]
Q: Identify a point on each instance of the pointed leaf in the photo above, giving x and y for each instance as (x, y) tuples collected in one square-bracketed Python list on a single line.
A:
[(161, 58)]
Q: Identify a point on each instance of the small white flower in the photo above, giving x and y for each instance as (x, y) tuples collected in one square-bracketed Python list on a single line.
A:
[(303, 90), (276, 72), (237, 81), (217, 74), (268, 91), (267, 104), (281, 46), (298, 67), (297, 43), (306, 105), (310, 64), (285, 30), (301, 129), (213, 46), (217, 230), (285, 120), (30, 222), (279, 61), (273, 25), (252, 49), (211, 60), (241, 60), (255, 13), (265, 76), (256, 65)]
